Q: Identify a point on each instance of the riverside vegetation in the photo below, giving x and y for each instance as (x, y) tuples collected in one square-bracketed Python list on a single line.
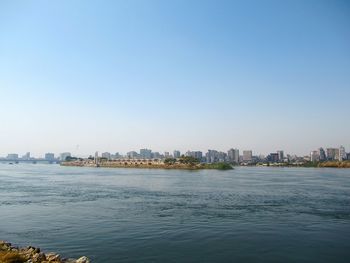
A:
[(13, 254)]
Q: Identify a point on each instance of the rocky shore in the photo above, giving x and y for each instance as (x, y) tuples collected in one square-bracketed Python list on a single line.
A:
[(13, 254)]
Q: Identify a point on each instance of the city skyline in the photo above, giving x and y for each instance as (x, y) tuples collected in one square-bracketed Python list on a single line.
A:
[(146, 153), (130, 74)]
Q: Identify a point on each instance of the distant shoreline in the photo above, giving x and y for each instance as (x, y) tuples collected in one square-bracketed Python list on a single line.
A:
[(150, 165)]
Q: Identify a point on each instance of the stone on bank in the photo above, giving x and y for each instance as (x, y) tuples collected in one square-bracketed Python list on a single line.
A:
[(13, 254)]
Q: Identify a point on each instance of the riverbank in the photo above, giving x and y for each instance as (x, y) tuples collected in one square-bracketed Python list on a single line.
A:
[(13, 254), (335, 164), (149, 165)]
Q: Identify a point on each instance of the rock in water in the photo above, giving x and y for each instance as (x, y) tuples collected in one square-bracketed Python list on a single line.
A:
[(83, 260)]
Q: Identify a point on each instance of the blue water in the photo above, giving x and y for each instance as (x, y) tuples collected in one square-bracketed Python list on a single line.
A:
[(138, 215)]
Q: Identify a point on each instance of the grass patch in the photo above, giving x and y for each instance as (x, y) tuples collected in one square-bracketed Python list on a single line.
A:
[(11, 257)]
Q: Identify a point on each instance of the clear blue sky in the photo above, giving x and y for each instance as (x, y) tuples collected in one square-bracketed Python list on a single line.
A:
[(123, 75)]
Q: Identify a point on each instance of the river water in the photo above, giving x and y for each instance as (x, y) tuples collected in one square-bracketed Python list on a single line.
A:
[(249, 214)]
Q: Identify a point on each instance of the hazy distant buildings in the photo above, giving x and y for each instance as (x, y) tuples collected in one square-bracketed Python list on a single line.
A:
[(177, 154), (63, 156), (26, 156), (314, 156), (106, 155), (342, 153), (12, 156), (132, 155), (146, 154), (195, 154), (49, 156), (156, 155), (280, 156), (273, 157), (247, 156)]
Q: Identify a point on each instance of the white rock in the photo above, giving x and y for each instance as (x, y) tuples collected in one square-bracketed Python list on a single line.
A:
[(83, 260)]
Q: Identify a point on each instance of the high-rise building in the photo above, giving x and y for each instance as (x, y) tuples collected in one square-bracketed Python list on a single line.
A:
[(63, 156), (314, 156), (342, 153), (195, 154), (167, 155), (280, 156), (146, 154), (322, 154), (247, 155), (177, 154), (233, 155), (212, 156), (273, 157), (332, 154), (49, 156)]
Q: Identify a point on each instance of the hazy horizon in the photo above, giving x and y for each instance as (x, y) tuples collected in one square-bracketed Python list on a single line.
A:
[(118, 76)]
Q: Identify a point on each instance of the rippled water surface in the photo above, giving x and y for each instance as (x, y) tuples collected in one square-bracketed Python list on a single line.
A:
[(138, 215)]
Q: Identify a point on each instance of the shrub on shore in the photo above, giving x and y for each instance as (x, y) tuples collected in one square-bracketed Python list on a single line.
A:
[(219, 166)]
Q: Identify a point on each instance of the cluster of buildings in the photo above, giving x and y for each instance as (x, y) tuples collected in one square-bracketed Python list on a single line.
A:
[(330, 154), (232, 156), (211, 156), (27, 157)]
